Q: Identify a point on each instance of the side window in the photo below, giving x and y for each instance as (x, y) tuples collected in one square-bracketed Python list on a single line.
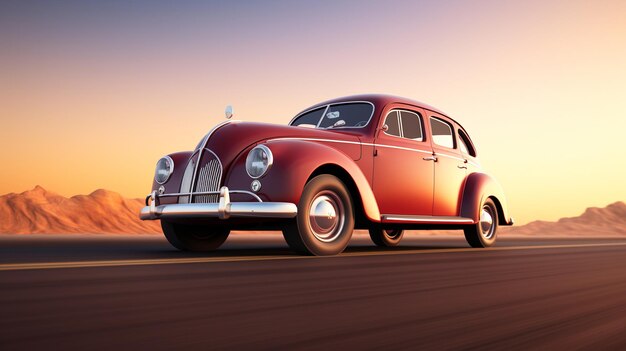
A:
[(411, 126), (466, 145), (442, 133), (392, 122)]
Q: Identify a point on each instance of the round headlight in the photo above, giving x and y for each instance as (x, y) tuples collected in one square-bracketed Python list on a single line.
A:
[(259, 160), (164, 169)]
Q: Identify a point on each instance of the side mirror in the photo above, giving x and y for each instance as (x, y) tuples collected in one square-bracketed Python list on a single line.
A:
[(384, 128), (229, 112)]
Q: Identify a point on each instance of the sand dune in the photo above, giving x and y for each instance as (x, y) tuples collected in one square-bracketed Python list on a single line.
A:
[(39, 211), (609, 220)]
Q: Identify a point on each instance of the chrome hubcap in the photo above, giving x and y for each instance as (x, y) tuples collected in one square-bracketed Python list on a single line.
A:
[(326, 216), (486, 222)]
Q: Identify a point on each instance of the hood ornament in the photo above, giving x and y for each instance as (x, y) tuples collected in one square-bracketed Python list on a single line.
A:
[(229, 112)]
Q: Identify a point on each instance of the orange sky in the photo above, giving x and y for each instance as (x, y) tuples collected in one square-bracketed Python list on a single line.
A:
[(93, 94)]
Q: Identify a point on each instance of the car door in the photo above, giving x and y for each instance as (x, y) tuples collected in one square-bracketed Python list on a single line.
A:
[(468, 152), (449, 167), (402, 180)]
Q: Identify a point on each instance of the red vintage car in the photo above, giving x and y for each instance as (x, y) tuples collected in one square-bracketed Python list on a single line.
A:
[(376, 162)]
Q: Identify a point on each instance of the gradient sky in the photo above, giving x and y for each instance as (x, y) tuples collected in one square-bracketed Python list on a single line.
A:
[(93, 93)]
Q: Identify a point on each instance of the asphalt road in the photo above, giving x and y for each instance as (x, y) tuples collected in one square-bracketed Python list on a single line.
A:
[(133, 294)]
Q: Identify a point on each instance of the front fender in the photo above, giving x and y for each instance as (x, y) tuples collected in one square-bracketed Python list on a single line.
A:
[(479, 187), (294, 162)]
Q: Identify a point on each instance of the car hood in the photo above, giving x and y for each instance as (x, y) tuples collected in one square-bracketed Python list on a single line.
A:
[(235, 137)]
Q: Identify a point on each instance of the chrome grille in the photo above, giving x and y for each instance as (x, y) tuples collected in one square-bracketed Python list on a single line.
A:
[(209, 177)]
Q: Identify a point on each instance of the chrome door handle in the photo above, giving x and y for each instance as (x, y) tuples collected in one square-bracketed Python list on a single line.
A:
[(430, 158)]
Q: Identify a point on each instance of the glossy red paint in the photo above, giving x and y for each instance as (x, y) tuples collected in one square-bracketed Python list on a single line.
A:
[(387, 175), (286, 179), (449, 178), (400, 172)]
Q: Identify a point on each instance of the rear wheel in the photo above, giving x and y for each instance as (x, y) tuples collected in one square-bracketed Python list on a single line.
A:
[(484, 233), (194, 237), (325, 219), (386, 237)]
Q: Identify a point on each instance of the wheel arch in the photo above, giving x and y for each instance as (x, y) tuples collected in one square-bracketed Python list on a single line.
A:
[(361, 218), (478, 188)]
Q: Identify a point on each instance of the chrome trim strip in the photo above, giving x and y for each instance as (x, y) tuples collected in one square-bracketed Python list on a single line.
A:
[(333, 104), (422, 219), (319, 139), (458, 159), (202, 147), (400, 148), (450, 156), (207, 174), (353, 142), (223, 210), (374, 145), (193, 193), (255, 196), (235, 209)]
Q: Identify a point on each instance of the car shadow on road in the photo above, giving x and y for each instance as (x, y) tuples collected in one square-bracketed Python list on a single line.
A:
[(285, 251), (96, 249)]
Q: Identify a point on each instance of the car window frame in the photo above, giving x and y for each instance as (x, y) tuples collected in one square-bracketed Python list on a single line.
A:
[(452, 133), (421, 125), (326, 106), (469, 145), (401, 136), (397, 121)]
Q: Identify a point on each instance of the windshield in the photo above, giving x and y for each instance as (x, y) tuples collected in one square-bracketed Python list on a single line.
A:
[(339, 115)]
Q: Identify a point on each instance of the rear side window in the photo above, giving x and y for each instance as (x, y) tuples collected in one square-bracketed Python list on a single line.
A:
[(411, 125), (392, 123), (442, 133), (466, 145)]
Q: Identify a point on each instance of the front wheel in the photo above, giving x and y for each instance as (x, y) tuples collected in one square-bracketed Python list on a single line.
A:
[(194, 237), (484, 233), (325, 219)]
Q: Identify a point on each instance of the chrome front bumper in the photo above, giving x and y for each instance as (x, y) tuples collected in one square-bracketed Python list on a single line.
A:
[(223, 210)]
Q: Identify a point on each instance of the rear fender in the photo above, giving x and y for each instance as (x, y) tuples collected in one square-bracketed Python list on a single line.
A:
[(478, 188)]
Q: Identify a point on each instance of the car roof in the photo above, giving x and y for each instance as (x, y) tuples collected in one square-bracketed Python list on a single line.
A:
[(380, 100)]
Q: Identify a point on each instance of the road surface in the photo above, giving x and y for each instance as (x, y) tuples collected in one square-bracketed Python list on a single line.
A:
[(120, 293)]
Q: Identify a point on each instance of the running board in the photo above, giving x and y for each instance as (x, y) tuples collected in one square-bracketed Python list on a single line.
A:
[(390, 218)]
